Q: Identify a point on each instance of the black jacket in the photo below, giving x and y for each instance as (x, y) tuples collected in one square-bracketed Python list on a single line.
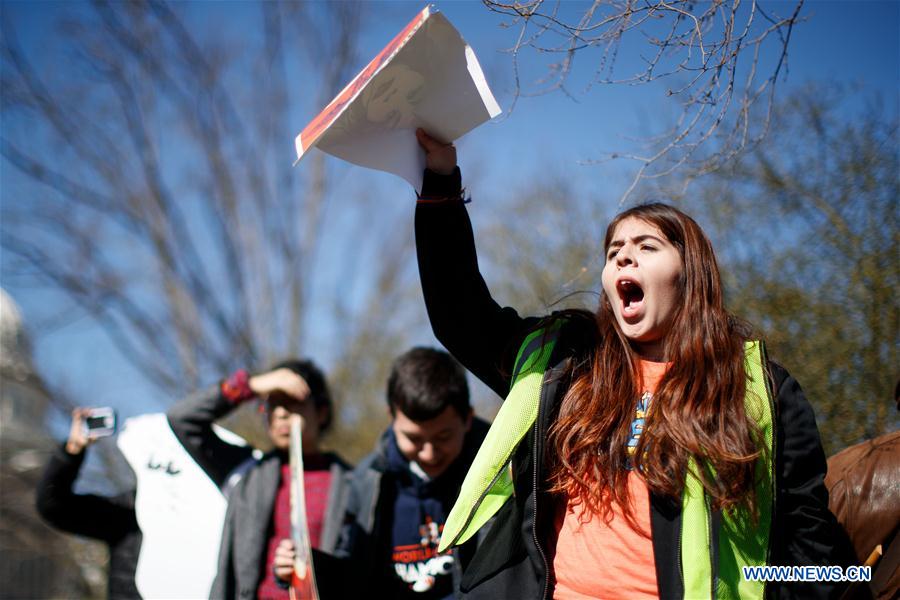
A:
[(109, 519), (365, 541), (516, 558)]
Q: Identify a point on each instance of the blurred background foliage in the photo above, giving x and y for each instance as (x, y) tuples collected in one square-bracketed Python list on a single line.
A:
[(808, 224), (162, 202)]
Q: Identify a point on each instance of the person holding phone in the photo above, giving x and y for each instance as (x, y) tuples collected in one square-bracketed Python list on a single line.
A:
[(110, 519)]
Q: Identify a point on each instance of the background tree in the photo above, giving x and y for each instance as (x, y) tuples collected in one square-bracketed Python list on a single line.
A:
[(159, 197), (552, 259), (810, 226), (152, 184), (719, 61)]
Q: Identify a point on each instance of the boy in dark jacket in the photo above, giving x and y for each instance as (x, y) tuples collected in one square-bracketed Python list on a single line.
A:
[(400, 494), (257, 520), (109, 519)]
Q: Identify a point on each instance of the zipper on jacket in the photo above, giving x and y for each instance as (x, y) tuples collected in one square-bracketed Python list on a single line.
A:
[(535, 459), (481, 499)]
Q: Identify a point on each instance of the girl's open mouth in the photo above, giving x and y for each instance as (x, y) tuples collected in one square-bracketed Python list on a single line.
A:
[(632, 297)]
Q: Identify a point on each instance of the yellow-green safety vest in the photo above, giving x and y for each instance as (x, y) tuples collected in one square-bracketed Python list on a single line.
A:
[(740, 542)]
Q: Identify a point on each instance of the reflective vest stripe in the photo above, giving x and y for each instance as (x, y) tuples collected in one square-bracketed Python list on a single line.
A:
[(740, 541), (488, 484)]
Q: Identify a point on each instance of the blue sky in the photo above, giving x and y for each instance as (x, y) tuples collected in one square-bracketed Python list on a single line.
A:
[(854, 42)]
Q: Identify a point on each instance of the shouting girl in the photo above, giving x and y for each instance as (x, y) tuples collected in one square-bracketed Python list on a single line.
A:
[(647, 450)]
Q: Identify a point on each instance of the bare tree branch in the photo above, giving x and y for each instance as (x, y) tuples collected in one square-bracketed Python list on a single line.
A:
[(718, 60), (155, 189)]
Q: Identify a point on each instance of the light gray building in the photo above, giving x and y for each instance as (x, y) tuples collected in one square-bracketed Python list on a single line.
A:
[(36, 561)]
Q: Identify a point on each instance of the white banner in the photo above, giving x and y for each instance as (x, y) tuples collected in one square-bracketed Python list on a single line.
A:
[(304, 579), (179, 509), (427, 77)]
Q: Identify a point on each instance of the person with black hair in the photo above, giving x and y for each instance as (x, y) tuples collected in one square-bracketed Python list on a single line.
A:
[(257, 521), (401, 493)]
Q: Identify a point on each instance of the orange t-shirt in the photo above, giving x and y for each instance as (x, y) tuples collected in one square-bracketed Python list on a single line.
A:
[(599, 560)]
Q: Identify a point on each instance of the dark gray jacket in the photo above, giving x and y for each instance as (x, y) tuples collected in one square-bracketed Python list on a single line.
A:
[(365, 538), (251, 500)]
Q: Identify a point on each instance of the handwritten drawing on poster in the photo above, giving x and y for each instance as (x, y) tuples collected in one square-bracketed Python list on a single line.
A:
[(427, 76)]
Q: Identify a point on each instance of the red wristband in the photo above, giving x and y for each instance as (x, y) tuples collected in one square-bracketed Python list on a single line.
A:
[(237, 387)]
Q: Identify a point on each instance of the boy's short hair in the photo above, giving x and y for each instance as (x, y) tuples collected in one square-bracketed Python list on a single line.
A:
[(315, 379), (424, 382)]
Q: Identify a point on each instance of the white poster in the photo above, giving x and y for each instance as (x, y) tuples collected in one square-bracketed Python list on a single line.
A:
[(179, 510), (427, 77), (304, 580)]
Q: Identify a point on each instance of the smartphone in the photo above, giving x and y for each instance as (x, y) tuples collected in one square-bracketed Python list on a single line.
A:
[(100, 422)]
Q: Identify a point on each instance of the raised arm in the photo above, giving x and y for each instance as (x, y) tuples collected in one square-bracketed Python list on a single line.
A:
[(192, 418), (89, 515), (480, 333)]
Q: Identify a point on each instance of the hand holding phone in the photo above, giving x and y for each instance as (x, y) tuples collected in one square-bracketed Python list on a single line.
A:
[(100, 422), (88, 424)]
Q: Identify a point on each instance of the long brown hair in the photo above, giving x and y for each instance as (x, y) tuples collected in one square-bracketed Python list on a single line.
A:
[(697, 409)]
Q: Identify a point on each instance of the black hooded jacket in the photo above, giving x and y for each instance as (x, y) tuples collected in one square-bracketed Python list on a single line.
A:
[(381, 484)]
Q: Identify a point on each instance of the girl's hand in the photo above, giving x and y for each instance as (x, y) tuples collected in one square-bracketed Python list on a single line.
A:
[(439, 157), (280, 380), (283, 563)]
